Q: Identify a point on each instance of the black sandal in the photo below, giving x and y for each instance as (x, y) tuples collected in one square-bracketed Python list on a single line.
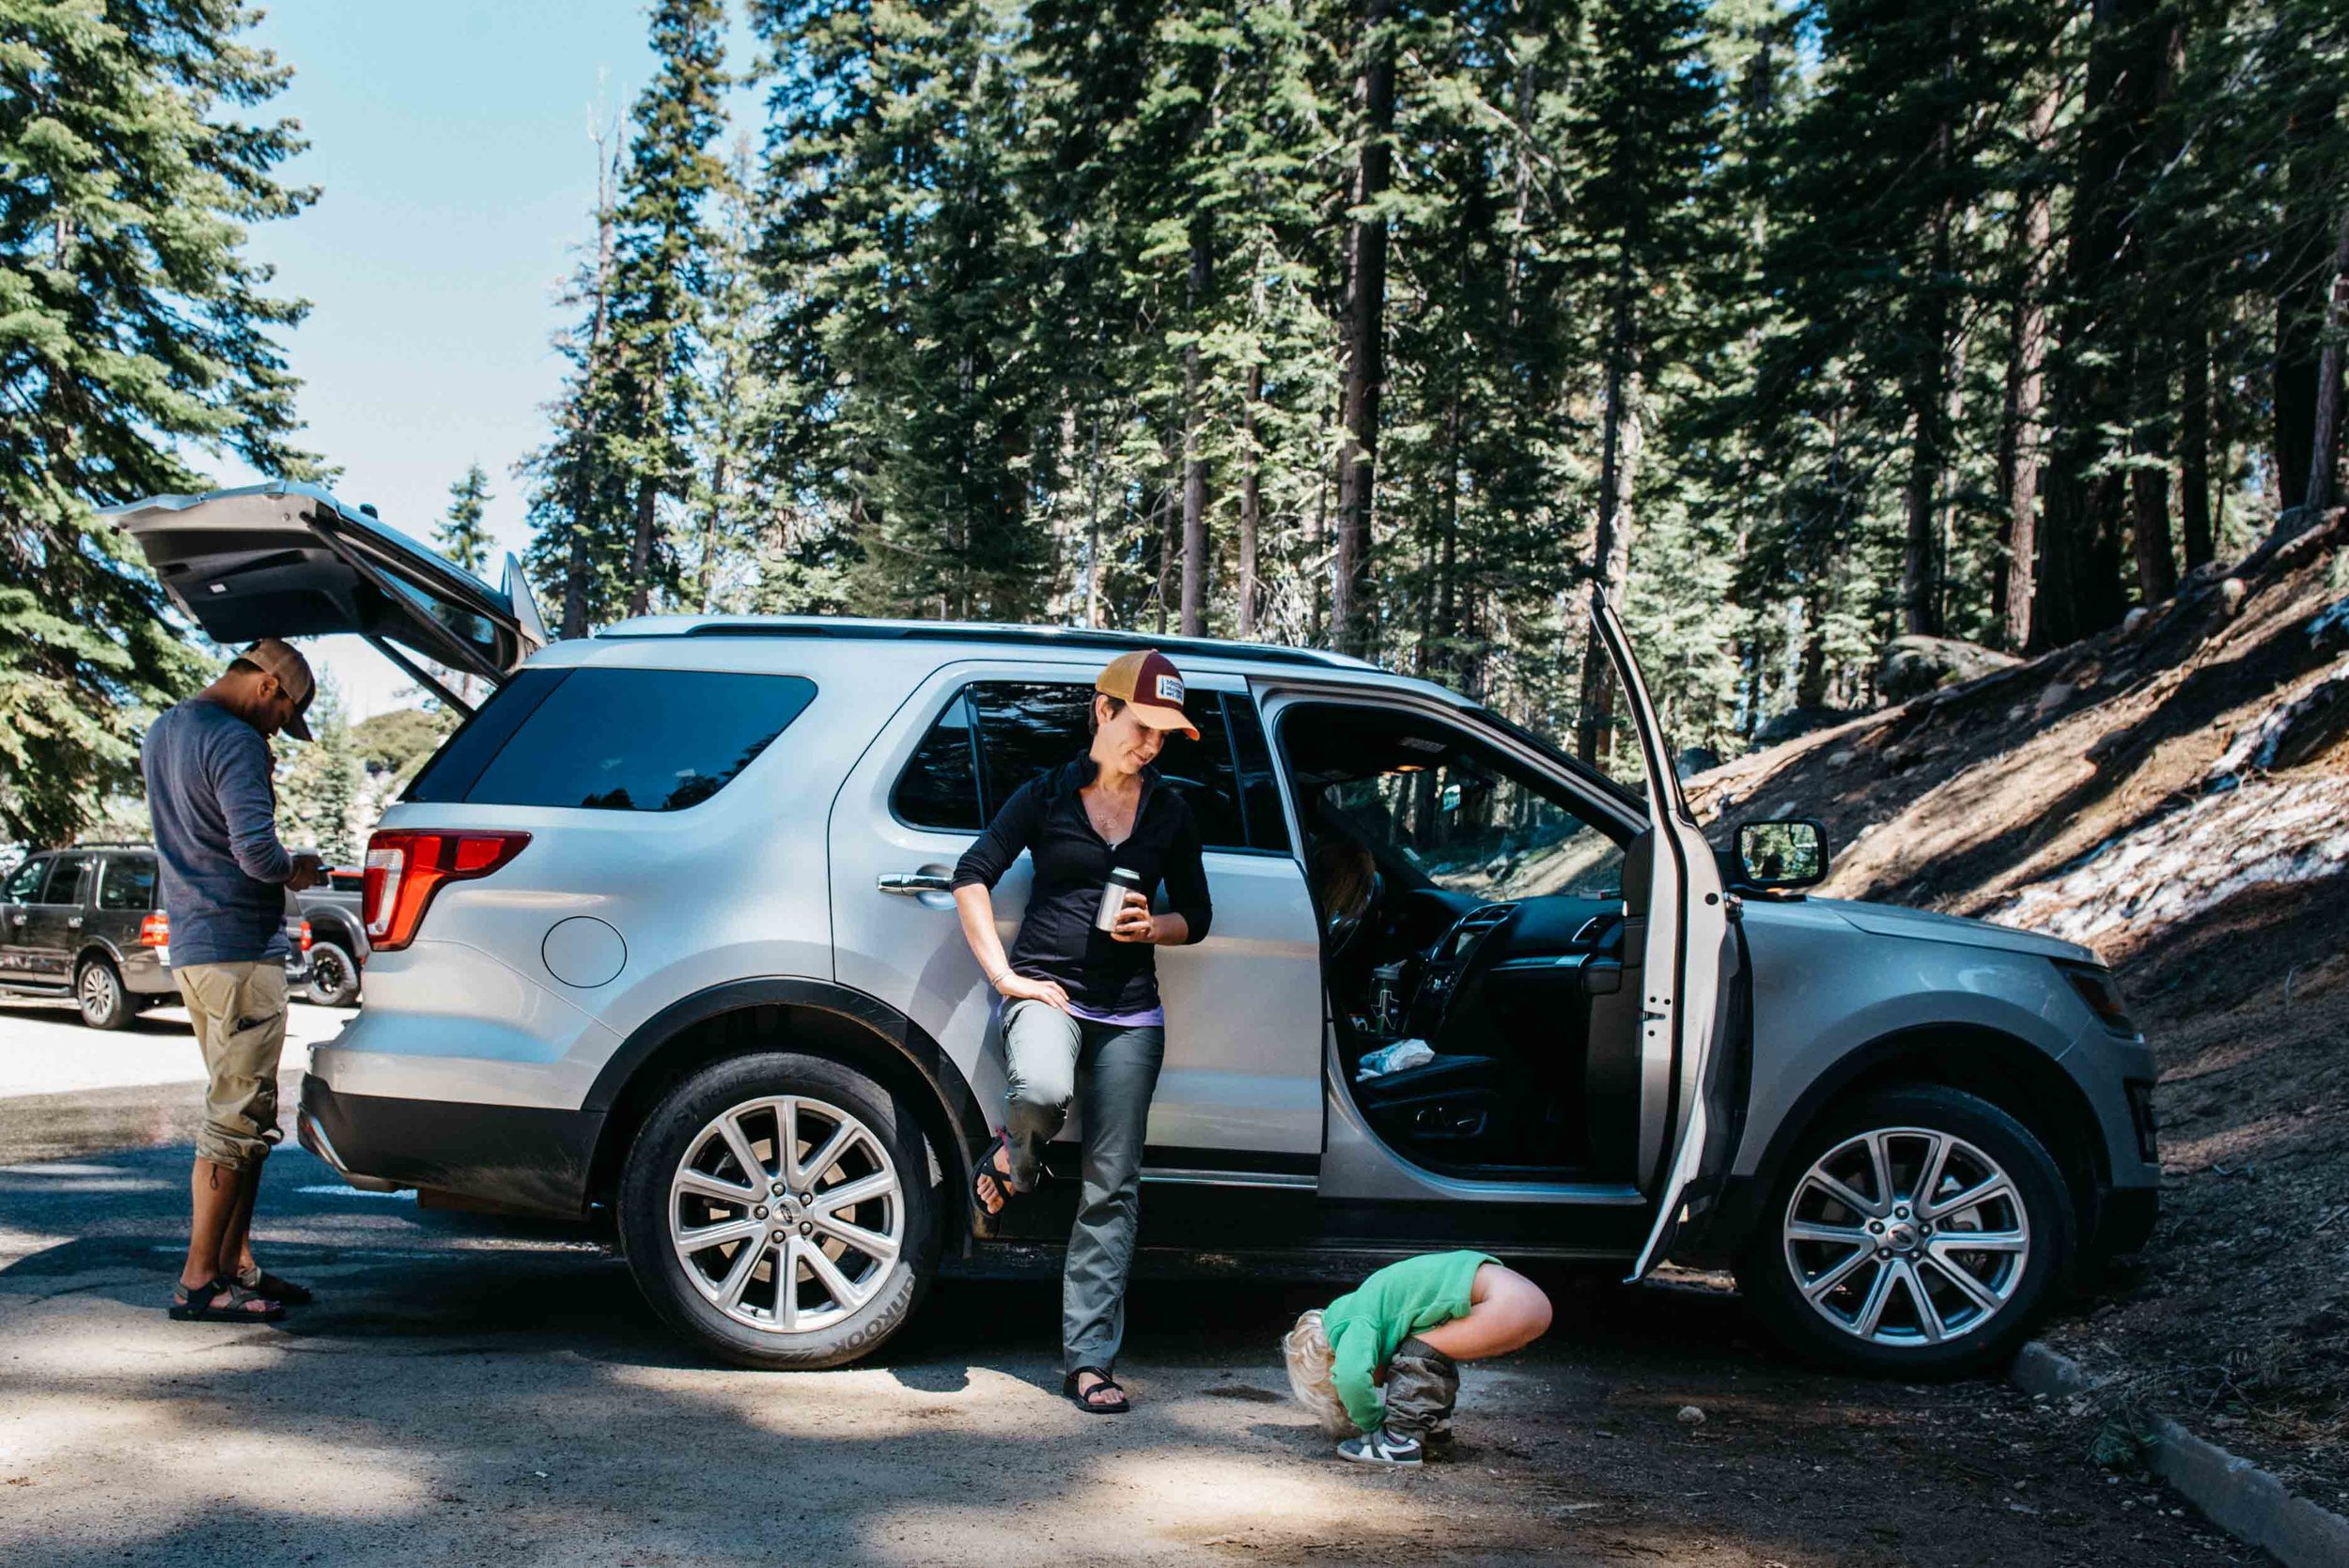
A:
[(221, 1301), (1004, 1189), (284, 1292), (1083, 1397)]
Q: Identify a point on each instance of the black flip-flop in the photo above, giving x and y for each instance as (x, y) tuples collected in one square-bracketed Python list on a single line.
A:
[(284, 1292), (1083, 1398), (221, 1301), (986, 1167)]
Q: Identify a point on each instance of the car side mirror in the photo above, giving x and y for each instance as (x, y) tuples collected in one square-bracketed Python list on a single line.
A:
[(1791, 854)]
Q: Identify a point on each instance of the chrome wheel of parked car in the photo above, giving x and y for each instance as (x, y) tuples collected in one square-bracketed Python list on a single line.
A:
[(786, 1213), (1907, 1235), (98, 991), (1914, 1231), (781, 1209)]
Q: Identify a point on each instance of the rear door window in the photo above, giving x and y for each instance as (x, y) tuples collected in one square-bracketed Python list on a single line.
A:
[(68, 880), (613, 740), (1025, 728), (127, 884)]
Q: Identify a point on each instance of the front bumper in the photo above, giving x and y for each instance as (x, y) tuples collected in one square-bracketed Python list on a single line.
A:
[(510, 1156)]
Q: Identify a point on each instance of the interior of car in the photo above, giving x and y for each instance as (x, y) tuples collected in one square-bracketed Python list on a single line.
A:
[(1482, 931)]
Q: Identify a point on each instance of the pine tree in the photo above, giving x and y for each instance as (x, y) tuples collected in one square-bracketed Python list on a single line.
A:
[(658, 273), (580, 502), (464, 535), (317, 784), (132, 328)]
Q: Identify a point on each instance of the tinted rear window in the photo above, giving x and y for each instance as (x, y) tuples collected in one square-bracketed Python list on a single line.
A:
[(613, 740), (128, 885)]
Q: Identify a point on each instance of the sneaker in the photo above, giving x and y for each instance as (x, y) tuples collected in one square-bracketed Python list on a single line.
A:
[(1381, 1448)]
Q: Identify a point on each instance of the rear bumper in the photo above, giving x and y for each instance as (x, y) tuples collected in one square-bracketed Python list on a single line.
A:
[(511, 1156)]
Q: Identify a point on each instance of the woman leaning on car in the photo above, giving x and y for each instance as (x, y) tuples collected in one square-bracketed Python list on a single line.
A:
[(1082, 1022)]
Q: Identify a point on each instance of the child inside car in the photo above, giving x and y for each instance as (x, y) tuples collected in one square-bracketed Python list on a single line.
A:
[(1407, 1326)]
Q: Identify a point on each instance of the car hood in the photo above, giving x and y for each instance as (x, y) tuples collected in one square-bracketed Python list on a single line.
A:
[(1886, 919)]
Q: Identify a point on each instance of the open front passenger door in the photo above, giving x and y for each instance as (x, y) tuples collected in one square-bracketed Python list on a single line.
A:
[(1691, 957), (290, 559)]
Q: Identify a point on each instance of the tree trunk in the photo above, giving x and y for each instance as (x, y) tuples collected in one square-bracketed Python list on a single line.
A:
[(2324, 431), (1928, 407), (2080, 589), (1610, 546), (640, 548), (1092, 525), (1195, 562), (2021, 437), (2307, 203), (1251, 502), (580, 564), (2149, 475), (1362, 327), (2194, 441), (709, 534)]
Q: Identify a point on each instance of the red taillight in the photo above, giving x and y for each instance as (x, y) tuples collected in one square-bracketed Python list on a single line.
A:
[(155, 930), (405, 869), (305, 936)]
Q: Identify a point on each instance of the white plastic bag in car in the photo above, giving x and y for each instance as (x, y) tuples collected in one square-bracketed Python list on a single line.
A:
[(1396, 1058)]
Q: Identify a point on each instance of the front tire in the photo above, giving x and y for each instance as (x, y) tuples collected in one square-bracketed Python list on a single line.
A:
[(98, 992), (1917, 1232), (777, 1211), (333, 975)]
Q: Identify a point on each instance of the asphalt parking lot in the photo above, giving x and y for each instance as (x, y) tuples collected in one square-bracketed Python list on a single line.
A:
[(468, 1392)]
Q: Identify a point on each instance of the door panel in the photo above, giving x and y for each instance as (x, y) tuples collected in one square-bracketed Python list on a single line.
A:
[(1243, 1071), (16, 918), (1687, 945), (55, 928)]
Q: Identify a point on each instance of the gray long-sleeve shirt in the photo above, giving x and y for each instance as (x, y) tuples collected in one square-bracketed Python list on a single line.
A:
[(215, 813)]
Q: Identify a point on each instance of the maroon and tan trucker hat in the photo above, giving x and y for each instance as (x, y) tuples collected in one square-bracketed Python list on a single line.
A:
[(1150, 682), (293, 677)]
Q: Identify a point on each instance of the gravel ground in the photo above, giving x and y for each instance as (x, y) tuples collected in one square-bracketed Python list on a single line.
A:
[(464, 1393)]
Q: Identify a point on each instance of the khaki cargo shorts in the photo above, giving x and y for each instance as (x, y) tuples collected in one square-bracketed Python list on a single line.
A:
[(239, 1010)]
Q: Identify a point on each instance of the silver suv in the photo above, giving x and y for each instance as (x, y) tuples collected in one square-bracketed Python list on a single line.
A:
[(664, 930)]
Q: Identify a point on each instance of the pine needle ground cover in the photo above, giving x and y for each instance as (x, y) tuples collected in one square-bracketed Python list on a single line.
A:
[(2175, 794)]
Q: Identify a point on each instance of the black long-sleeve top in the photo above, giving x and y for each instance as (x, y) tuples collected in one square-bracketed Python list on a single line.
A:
[(1057, 940)]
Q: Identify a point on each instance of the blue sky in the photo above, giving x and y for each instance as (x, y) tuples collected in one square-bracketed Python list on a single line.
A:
[(450, 143)]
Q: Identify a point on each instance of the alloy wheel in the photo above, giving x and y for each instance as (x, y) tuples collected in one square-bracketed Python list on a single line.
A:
[(99, 994), (786, 1213), (1906, 1237)]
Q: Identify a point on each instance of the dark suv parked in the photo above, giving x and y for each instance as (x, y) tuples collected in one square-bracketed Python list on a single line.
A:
[(83, 922)]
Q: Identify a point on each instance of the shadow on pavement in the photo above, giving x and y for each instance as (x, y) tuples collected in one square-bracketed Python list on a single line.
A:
[(465, 1393)]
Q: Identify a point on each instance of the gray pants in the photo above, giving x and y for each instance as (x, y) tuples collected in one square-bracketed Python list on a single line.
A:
[(1051, 1060), (1423, 1385)]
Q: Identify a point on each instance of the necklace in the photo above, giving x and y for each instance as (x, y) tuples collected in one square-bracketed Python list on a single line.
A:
[(1105, 822)]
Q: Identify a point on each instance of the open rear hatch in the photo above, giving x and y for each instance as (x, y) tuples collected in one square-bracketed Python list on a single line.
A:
[(288, 560)]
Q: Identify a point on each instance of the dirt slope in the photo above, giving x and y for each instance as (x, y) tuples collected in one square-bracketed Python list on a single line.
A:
[(2175, 794)]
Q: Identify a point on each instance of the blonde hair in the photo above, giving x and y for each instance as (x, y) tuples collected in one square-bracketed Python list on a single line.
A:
[(1306, 1347)]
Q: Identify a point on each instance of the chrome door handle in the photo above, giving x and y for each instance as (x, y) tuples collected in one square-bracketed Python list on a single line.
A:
[(913, 883), (74, 925)]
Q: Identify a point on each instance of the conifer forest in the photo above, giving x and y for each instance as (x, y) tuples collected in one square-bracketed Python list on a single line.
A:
[(1801, 326)]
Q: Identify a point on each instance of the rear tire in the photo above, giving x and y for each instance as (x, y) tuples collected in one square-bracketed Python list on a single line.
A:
[(98, 992), (333, 975), (1881, 1278), (798, 1265)]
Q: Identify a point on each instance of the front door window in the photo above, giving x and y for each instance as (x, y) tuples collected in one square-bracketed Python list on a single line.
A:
[(1471, 825)]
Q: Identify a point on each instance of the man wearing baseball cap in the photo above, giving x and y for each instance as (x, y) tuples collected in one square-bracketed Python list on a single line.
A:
[(224, 876)]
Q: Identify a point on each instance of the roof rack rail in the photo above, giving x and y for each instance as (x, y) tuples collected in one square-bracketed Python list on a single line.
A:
[(849, 628), (112, 844)]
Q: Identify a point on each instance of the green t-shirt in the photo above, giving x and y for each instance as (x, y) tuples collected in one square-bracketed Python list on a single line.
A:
[(1366, 1324)]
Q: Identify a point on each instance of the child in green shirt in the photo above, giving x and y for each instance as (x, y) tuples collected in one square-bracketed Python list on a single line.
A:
[(1407, 1326)]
